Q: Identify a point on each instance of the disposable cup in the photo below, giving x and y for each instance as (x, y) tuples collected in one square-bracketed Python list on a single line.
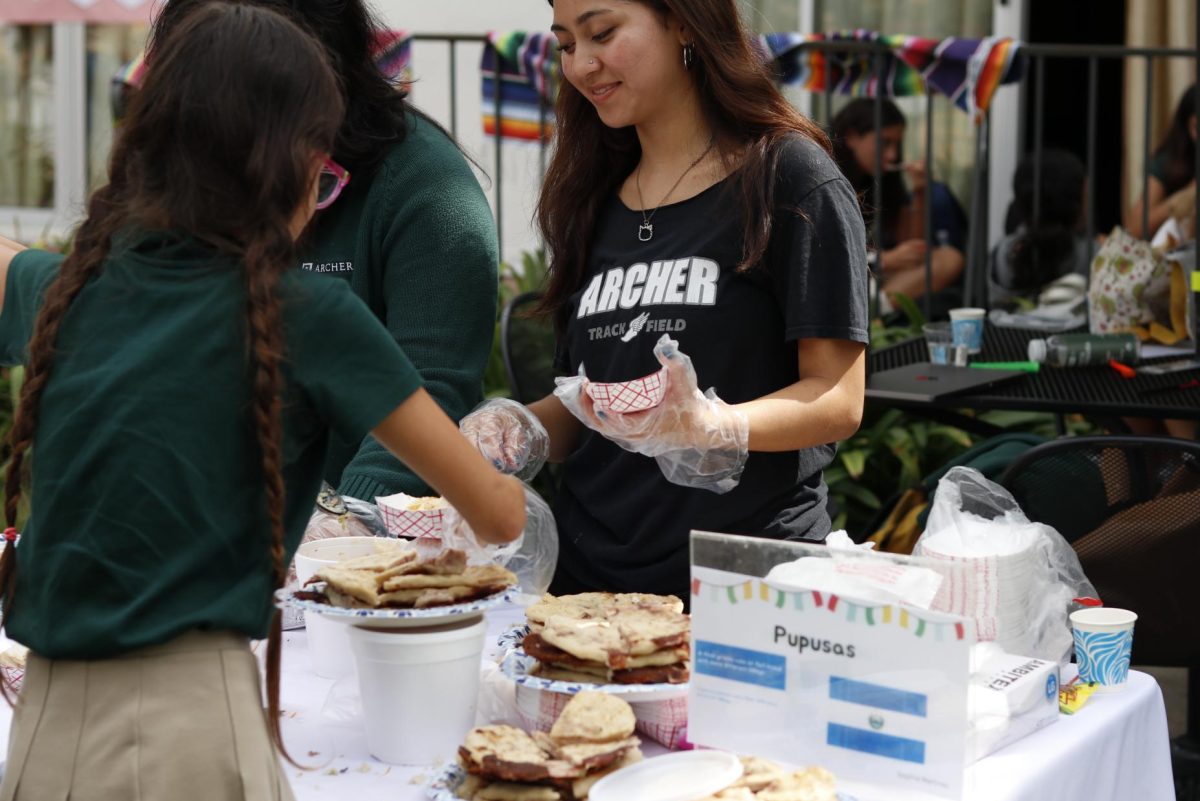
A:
[(328, 645), (419, 687), (966, 326), (1103, 645), (940, 341)]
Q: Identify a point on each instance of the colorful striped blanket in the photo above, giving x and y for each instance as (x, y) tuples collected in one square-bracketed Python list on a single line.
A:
[(529, 72), (967, 71)]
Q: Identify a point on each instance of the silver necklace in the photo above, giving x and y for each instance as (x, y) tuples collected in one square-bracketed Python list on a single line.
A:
[(646, 230)]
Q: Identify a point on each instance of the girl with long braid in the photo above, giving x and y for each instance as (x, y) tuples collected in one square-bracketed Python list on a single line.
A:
[(178, 365)]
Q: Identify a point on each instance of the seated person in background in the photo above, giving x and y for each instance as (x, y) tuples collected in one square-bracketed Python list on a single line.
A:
[(900, 256), (1172, 185), (1043, 250)]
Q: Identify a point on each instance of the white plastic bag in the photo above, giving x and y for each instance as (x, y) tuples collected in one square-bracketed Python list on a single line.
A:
[(1016, 579)]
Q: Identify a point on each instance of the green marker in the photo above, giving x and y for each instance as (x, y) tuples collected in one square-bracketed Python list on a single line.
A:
[(1029, 367)]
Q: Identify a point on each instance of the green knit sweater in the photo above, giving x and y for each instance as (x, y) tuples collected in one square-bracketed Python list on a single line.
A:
[(417, 242)]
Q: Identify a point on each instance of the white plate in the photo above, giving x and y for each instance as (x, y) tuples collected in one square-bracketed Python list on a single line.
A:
[(681, 776), (517, 664), (445, 785), (396, 618)]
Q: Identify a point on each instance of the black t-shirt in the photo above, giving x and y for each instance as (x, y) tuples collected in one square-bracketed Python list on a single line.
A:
[(622, 525)]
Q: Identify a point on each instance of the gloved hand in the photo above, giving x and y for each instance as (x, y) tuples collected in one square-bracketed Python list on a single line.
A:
[(532, 556), (697, 439), (509, 436)]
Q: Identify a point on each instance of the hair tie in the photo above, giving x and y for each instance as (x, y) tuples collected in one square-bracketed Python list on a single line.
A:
[(10, 534)]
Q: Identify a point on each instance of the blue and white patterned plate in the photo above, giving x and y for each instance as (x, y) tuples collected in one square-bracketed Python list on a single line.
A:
[(395, 618), (517, 664), (512, 638), (444, 786)]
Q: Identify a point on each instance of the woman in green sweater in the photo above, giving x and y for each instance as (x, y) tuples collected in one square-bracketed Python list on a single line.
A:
[(412, 234)]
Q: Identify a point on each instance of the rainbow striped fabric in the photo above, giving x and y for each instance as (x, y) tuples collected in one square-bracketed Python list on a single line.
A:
[(967, 71), (528, 72)]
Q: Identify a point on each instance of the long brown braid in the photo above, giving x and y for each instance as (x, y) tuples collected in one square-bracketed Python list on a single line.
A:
[(77, 269), (219, 145), (266, 351)]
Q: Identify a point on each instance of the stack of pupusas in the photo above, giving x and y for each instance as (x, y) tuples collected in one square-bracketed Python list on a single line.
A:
[(591, 738), (399, 576), (610, 638), (765, 781)]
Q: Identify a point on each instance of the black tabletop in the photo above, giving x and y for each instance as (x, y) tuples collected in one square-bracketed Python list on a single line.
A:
[(1087, 390)]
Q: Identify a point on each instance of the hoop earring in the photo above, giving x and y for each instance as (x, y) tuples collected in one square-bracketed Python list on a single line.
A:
[(689, 55)]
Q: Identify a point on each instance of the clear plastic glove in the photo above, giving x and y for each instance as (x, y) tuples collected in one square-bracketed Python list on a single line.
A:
[(697, 439), (532, 556), (509, 436)]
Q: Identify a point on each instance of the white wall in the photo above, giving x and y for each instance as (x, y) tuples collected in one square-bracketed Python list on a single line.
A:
[(520, 168), (1004, 139)]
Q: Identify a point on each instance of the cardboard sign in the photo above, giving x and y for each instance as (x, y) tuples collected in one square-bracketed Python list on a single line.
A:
[(876, 692)]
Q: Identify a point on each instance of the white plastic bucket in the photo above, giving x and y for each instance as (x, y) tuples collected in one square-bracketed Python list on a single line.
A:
[(419, 688), (328, 645)]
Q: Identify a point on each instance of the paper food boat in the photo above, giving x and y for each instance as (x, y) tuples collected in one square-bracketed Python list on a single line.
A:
[(629, 396), (406, 516)]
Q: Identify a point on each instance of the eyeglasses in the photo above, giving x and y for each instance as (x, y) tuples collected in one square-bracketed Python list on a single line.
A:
[(330, 183)]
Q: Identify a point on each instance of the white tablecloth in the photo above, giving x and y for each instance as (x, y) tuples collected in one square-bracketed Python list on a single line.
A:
[(1115, 749)]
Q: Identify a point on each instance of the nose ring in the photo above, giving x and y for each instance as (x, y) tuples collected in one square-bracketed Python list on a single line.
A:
[(591, 61)]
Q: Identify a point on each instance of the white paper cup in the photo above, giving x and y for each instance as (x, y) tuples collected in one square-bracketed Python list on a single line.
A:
[(419, 688), (328, 645), (966, 327), (1103, 645)]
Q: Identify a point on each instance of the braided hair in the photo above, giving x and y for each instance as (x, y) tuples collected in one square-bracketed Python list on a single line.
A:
[(220, 144)]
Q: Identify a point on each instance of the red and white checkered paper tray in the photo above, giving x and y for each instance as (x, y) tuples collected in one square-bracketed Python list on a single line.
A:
[(12, 663), (637, 395), (406, 516), (661, 709)]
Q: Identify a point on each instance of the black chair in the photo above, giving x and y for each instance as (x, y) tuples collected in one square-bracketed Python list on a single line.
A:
[(527, 347), (1130, 507)]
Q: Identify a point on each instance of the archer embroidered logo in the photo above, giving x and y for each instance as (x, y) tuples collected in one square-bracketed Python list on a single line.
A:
[(328, 266), (636, 327)]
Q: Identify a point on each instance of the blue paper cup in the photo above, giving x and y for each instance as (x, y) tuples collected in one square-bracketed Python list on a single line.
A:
[(1103, 644), (966, 326)]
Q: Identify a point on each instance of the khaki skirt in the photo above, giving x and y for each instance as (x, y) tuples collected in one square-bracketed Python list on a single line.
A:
[(178, 721)]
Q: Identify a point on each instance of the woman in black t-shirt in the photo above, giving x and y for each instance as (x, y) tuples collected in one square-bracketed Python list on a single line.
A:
[(687, 198), (901, 251)]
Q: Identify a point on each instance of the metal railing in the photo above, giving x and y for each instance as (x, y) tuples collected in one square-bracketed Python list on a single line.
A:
[(975, 273)]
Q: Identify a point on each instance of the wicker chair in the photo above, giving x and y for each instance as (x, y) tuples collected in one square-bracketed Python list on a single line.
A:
[(1130, 507)]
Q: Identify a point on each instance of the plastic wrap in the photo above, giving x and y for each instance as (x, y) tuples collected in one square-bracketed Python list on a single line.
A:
[(509, 435), (697, 439), (532, 556), (1015, 578)]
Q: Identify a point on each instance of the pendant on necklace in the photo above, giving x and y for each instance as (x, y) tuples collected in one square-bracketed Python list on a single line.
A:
[(645, 232)]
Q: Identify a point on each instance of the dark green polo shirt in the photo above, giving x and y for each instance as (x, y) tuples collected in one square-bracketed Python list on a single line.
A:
[(149, 515), (417, 242)]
